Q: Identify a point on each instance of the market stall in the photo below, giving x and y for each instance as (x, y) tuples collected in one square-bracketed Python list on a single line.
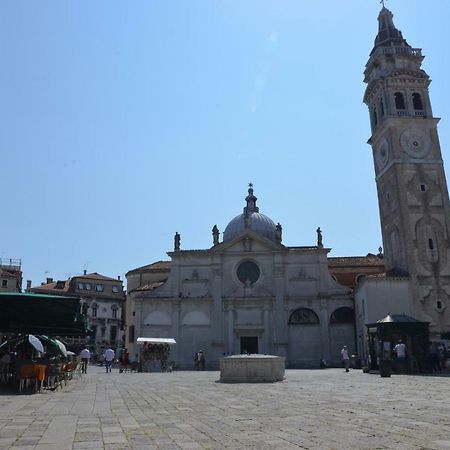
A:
[(155, 353)]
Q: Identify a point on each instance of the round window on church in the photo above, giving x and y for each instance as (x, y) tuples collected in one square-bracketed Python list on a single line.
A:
[(248, 272)]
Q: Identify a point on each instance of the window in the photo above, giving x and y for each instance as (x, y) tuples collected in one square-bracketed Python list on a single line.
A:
[(99, 287), (131, 333), (94, 310), (430, 244), (423, 187), (4, 283), (87, 286), (381, 107), (60, 285), (113, 333), (114, 312), (115, 289), (248, 272), (439, 304), (417, 102), (84, 309), (399, 100), (303, 316), (343, 315), (80, 285)]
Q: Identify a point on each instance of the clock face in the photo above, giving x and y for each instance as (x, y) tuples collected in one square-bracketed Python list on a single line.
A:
[(415, 142), (382, 154)]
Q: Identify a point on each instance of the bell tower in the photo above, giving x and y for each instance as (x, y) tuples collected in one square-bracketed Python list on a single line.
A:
[(412, 190)]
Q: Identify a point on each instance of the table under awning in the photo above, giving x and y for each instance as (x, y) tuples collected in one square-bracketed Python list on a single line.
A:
[(148, 340)]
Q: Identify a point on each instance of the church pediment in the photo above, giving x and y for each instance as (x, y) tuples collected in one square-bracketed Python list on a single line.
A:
[(248, 241)]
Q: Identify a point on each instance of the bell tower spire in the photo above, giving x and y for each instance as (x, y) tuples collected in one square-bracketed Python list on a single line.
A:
[(412, 189)]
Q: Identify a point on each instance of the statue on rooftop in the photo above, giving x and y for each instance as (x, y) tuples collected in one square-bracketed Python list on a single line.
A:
[(215, 233), (278, 232), (177, 240), (319, 237)]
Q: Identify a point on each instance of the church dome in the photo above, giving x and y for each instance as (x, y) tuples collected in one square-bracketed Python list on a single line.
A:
[(252, 219)]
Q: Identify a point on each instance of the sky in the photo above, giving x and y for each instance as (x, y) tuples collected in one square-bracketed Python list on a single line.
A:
[(122, 123)]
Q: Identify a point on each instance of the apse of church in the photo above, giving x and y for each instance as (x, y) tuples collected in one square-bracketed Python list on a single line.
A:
[(248, 293), (412, 189)]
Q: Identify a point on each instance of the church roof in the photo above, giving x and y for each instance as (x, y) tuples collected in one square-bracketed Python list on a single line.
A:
[(252, 219), (150, 286), (354, 261), (158, 266)]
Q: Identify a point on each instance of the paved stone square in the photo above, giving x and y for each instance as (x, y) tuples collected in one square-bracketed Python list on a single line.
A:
[(327, 409)]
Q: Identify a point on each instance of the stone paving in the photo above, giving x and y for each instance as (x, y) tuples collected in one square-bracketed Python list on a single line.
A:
[(327, 409)]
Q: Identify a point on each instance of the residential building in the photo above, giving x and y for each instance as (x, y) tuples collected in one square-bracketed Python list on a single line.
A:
[(103, 303), (10, 275)]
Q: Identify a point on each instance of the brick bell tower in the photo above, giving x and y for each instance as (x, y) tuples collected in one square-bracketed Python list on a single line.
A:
[(412, 190)]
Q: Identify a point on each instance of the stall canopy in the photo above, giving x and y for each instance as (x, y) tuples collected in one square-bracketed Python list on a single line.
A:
[(50, 315), (142, 340)]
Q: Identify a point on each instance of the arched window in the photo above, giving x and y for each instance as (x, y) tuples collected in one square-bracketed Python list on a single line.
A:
[(417, 102), (303, 316), (399, 100), (114, 311), (343, 315)]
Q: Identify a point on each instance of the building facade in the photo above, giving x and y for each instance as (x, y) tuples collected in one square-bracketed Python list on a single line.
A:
[(103, 304), (412, 189), (10, 275), (248, 293)]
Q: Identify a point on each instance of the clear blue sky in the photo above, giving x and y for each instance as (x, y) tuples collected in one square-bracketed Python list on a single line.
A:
[(123, 122)]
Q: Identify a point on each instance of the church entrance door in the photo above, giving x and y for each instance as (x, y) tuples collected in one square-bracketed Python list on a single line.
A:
[(249, 344)]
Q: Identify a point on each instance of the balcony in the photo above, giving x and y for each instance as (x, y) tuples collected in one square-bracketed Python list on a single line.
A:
[(399, 51), (9, 263)]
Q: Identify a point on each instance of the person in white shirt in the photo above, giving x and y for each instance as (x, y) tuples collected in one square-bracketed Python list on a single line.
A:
[(85, 355), (345, 358), (400, 351), (109, 358)]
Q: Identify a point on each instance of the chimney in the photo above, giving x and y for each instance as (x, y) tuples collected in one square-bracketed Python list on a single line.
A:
[(84, 272), (28, 285), (118, 277), (49, 280)]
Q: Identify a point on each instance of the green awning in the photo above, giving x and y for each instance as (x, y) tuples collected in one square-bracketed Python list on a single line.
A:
[(51, 315)]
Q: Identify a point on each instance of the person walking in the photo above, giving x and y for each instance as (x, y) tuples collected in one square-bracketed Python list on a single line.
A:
[(85, 355), (109, 358), (345, 358)]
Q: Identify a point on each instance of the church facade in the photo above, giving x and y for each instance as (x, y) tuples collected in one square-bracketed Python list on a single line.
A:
[(248, 293)]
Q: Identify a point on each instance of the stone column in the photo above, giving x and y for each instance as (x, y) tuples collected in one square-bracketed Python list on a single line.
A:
[(267, 332), (325, 330), (230, 319), (176, 331)]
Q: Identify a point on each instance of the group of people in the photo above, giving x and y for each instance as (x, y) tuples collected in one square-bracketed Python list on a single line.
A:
[(108, 356)]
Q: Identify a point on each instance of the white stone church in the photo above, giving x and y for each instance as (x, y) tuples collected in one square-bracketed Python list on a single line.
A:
[(250, 293)]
